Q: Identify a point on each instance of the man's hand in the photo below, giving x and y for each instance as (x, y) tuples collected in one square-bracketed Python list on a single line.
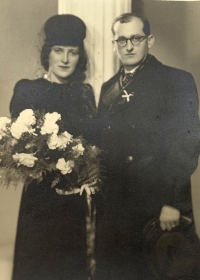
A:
[(169, 217)]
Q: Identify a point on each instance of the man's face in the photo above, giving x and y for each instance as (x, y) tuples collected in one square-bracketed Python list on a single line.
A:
[(130, 55)]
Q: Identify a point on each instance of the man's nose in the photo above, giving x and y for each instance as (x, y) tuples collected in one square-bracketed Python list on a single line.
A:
[(65, 58), (129, 45)]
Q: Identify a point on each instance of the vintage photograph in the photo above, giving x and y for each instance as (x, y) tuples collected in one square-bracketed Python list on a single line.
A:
[(99, 140)]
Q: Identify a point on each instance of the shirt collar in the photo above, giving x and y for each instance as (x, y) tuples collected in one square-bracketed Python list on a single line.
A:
[(131, 71)]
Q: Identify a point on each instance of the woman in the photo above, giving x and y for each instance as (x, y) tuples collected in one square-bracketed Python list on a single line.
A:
[(51, 234)]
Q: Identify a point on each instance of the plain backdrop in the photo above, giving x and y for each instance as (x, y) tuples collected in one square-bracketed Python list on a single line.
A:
[(175, 25), (21, 23)]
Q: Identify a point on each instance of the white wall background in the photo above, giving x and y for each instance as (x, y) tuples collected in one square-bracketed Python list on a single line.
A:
[(175, 24), (20, 24)]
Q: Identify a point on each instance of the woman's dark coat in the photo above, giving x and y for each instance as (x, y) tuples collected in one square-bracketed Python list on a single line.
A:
[(51, 232)]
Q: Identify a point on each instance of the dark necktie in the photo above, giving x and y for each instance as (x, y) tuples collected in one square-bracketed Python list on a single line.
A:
[(127, 78)]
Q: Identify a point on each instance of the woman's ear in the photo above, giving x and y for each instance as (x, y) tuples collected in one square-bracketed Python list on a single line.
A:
[(151, 40)]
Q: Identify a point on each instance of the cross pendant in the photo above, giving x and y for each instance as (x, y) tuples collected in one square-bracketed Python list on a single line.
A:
[(127, 96)]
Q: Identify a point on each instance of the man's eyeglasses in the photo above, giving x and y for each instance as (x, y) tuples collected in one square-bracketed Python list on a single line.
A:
[(135, 40)]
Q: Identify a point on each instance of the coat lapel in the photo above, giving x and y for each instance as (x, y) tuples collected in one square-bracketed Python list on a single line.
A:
[(112, 93), (116, 97)]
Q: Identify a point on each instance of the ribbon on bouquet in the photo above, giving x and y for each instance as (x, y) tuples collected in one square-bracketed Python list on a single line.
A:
[(91, 234), (90, 189)]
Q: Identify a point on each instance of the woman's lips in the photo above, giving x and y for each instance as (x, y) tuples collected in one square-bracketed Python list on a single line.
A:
[(63, 66)]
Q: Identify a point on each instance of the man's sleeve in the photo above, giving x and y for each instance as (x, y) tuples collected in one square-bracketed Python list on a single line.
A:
[(182, 140)]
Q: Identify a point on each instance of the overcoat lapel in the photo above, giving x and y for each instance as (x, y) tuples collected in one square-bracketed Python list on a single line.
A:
[(113, 96), (112, 93), (120, 103)]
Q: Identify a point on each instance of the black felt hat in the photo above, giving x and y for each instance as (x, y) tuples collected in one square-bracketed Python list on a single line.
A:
[(172, 254), (65, 30)]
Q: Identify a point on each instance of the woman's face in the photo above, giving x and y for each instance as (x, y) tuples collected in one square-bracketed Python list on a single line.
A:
[(62, 62)]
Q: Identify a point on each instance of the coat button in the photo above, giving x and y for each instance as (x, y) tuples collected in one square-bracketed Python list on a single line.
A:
[(129, 159)]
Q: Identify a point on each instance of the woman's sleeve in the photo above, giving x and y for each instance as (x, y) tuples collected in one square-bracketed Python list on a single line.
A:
[(88, 104), (88, 107), (21, 98), (89, 98)]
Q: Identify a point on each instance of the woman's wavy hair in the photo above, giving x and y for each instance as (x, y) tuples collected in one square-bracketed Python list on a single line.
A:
[(79, 74)]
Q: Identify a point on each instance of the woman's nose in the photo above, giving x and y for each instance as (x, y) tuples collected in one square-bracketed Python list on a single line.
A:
[(65, 57)]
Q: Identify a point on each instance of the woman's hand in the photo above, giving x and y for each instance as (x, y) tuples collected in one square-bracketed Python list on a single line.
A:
[(90, 181), (89, 177), (90, 188), (68, 192)]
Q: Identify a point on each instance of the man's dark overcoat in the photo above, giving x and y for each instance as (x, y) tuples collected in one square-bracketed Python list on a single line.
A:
[(150, 146)]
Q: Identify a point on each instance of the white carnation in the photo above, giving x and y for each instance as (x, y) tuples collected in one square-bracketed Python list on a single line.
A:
[(63, 140), (18, 128), (25, 159), (52, 117), (4, 122), (59, 141), (27, 117), (50, 125), (65, 166), (53, 141), (78, 150), (49, 128), (23, 124)]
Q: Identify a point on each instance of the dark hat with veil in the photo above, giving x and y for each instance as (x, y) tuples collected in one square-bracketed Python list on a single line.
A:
[(65, 30)]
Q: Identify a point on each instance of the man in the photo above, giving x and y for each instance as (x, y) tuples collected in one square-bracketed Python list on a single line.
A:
[(148, 129)]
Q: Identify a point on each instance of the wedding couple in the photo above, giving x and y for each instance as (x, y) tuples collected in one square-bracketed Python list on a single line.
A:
[(147, 127)]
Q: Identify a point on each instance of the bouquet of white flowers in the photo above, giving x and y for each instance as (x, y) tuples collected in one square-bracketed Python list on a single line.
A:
[(34, 144)]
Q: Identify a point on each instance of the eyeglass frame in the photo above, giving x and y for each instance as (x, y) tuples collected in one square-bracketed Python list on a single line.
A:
[(141, 38)]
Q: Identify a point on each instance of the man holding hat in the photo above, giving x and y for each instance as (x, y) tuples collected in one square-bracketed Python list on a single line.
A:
[(148, 128)]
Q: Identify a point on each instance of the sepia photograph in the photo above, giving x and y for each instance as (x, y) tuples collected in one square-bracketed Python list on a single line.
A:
[(99, 140)]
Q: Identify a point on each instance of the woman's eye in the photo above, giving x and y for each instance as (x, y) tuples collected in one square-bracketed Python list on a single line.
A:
[(57, 50), (74, 53)]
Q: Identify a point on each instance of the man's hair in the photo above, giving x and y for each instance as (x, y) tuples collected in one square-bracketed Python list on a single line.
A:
[(127, 17)]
